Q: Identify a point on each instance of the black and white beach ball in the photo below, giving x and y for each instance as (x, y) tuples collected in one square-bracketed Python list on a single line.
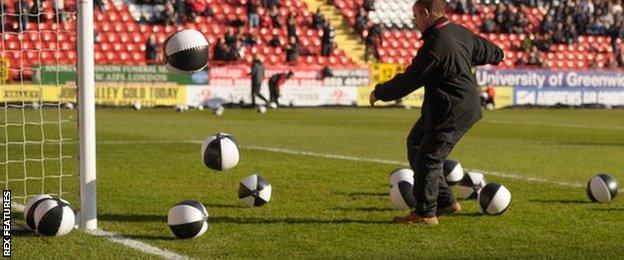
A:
[(188, 219), (29, 210), (254, 191), (401, 174), (220, 152), (494, 199), (185, 52), (602, 188), (453, 172), (469, 186), (402, 196), (54, 217), (401, 188)]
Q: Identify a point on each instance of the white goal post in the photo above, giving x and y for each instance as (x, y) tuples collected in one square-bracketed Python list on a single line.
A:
[(41, 149), (87, 217)]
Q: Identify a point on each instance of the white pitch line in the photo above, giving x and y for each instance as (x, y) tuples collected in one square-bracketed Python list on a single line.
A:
[(138, 245), (121, 142), (359, 159), (382, 161), (563, 125)]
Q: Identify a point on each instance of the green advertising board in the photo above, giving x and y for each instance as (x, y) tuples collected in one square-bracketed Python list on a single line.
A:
[(114, 73)]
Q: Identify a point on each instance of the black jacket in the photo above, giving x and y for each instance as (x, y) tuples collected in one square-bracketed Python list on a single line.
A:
[(443, 65)]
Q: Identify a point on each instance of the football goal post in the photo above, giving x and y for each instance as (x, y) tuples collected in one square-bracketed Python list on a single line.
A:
[(47, 146)]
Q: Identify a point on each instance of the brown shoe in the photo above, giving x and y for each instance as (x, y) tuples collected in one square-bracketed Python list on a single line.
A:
[(414, 218), (453, 208)]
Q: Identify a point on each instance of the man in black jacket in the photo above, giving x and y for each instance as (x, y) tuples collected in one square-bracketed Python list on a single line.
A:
[(450, 107)]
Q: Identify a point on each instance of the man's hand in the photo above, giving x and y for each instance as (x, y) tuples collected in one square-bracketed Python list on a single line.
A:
[(372, 99)]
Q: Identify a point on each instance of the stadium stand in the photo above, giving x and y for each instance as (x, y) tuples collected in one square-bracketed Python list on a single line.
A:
[(508, 25), (531, 35), (123, 29)]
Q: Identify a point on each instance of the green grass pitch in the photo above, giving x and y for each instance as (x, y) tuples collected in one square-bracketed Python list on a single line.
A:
[(324, 207)]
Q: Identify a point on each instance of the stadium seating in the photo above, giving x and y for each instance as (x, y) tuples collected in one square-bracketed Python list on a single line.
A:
[(401, 41), (120, 39)]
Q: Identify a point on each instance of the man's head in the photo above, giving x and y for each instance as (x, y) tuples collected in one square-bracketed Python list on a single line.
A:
[(426, 12)]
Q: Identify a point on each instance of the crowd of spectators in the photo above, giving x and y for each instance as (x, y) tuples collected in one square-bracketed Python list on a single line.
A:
[(563, 23), (25, 11), (370, 32), (231, 47)]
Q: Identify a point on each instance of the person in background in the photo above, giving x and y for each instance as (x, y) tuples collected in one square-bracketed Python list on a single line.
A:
[(252, 14), (369, 5), (196, 8), (257, 76), (181, 11), (151, 45), (318, 19), (327, 39), (373, 41), (275, 83), (292, 51), (275, 40), (490, 95), (249, 39), (21, 9), (291, 26), (274, 17), (220, 50), (361, 21), (230, 37)]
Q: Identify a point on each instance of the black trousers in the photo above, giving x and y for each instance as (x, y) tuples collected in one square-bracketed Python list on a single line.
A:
[(273, 93), (426, 151), (255, 91)]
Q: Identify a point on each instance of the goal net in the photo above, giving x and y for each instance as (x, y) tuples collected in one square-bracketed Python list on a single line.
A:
[(40, 128)]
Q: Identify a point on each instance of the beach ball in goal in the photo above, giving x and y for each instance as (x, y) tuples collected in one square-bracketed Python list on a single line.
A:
[(54, 217), (29, 210)]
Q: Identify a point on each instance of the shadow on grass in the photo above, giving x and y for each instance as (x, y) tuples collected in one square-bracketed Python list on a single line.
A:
[(21, 232), (610, 209), (254, 220), (238, 220), (222, 206), (560, 201), (368, 209), (464, 214), (360, 194), (132, 217)]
